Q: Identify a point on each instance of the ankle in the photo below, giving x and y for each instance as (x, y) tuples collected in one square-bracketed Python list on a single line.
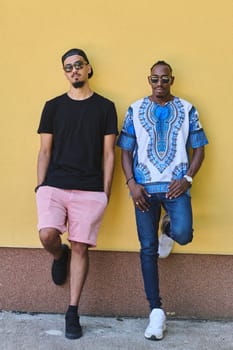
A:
[(61, 252), (72, 309)]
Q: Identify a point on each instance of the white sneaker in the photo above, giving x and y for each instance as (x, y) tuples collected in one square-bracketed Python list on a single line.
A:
[(166, 243), (157, 325)]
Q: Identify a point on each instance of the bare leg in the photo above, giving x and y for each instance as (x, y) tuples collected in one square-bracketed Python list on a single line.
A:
[(78, 270), (51, 240)]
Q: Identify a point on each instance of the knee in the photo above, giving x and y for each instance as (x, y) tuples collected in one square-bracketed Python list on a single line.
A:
[(79, 248), (183, 237), (47, 236)]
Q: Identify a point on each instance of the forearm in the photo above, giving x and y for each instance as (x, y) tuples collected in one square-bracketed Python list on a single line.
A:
[(138, 193), (109, 161), (197, 159), (42, 166), (127, 165), (177, 187)]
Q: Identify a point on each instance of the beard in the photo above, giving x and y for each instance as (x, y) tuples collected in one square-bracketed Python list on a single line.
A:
[(78, 84)]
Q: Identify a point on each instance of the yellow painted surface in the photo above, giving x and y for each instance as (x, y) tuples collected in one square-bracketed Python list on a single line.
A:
[(122, 39)]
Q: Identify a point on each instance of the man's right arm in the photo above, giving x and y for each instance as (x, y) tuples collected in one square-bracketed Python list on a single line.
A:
[(137, 191), (46, 141)]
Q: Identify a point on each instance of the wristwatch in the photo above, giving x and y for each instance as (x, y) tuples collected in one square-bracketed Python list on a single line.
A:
[(189, 179)]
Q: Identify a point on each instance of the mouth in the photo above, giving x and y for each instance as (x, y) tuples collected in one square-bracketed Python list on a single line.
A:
[(75, 75)]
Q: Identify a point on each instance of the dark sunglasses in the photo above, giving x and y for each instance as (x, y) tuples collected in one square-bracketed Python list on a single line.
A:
[(76, 65), (164, 79)]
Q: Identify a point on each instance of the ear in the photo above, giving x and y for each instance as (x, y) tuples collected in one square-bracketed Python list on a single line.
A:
[(172, 81), (89, 68), (149, 80)]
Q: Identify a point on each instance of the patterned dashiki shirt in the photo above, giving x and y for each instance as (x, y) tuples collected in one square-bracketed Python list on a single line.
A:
[(160, 138)]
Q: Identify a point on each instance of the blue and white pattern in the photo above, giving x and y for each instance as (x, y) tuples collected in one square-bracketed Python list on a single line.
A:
[(142, 174), (159, 137), (162, 124)]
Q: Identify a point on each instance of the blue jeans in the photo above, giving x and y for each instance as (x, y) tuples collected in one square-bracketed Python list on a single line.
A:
[(180, 213)]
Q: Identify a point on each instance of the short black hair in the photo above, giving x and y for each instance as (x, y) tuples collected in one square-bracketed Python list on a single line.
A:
[(78, 52), (161, 63)]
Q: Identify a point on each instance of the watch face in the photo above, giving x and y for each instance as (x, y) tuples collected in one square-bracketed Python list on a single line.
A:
[(188, 178)]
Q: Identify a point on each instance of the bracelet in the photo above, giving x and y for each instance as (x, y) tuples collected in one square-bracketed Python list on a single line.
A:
[(129, 179)]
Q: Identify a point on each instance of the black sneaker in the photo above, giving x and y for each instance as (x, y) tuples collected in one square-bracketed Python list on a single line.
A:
[(59, 267), (73, 328)]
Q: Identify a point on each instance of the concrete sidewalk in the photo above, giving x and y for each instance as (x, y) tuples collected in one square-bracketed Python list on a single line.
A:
[(46, 332)]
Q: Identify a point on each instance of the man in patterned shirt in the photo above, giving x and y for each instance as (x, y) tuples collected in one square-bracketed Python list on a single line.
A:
[(162, 144)]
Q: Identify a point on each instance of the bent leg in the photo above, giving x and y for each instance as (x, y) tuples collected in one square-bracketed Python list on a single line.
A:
[(51, 218), (180, 212), (51, 241)]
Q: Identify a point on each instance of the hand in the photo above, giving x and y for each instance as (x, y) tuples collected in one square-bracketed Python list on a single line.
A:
[(108, 196), (177, 188), (139, 195)]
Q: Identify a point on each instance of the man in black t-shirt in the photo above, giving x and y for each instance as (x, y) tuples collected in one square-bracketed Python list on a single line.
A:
[(75, 169)]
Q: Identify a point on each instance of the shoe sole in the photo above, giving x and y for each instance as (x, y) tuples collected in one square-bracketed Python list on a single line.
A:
[(154, 338), (73, 336)]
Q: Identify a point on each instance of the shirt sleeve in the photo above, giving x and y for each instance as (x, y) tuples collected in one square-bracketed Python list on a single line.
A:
[(46, 121), (197, 136), (111, 120), (127, 138)]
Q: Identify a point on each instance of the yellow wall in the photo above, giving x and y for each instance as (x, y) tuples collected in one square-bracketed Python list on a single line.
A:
[(123, 39)]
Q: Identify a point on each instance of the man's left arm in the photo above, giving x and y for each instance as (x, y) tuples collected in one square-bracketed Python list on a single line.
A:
[(177, 187), (197, 159), (108, 162)]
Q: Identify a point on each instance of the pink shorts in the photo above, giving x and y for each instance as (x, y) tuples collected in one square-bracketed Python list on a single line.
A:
[(81, 211)]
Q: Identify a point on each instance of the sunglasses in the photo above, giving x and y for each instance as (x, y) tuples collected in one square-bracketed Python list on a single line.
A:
[(76, 65), (164, 79)]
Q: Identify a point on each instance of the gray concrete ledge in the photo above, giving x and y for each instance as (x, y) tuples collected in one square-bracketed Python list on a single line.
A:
[(46, 332)]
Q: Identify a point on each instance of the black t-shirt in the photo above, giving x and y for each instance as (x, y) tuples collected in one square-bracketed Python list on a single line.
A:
[(78, 128)]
